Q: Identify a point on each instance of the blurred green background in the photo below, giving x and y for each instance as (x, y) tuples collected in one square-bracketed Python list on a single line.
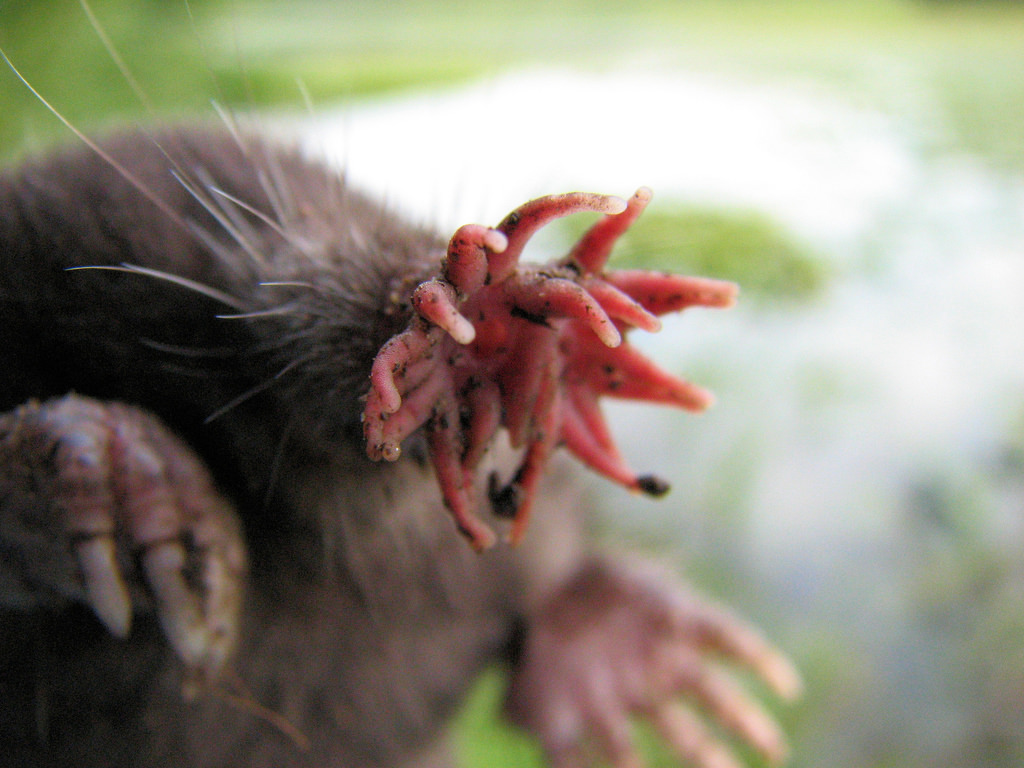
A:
[(858, 489)]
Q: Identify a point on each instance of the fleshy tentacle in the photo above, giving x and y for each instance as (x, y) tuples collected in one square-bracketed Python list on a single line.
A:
[(495, 342)]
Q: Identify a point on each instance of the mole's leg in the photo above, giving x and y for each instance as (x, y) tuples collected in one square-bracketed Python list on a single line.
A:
[(100, 503), (617, 642)]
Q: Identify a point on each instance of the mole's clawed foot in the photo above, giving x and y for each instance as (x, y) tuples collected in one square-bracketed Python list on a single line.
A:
[(615, 644), (499, 343), (99, 502)]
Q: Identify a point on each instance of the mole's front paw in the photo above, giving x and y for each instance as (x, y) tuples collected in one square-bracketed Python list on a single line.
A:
[(615, 643), (100, 503)]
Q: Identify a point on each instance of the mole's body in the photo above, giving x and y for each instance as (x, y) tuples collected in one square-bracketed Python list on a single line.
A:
[(200, 564)]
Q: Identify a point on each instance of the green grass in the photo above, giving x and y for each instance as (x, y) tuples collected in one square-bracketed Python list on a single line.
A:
[(483, 740), (963, 60)]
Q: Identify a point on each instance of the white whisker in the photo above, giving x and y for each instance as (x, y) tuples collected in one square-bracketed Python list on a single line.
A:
[(225, 254), (192, 352), (238, 222), (204, 54), (252, 392), (307, 97), (276, 188), (275, 465), (274, 312), (221, 218), (198, 373), (231, 123), (103, 154), (286, 284), (272, 195), (115, 56), (140, 93), (231, 405), (184, 282), (334, 189), (291, 237)]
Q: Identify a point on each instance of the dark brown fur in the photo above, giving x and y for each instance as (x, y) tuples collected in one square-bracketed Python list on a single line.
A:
[(367, 618)]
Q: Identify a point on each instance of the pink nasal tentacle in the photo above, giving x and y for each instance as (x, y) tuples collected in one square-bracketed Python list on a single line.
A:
[(594, 448), (390, 364), (629, 375), (466, 263), (532, 363), (620, 305), (456, 487), (542, 296), (494, 343), (661, 293), (435, 301), (537, 454), (483, 400), (385, 435), (520, 225), (592, 250)]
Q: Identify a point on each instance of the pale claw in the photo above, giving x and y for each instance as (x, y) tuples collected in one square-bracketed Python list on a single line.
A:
[(691, 739), (107, 482), (726, 703), (105, 590), (180, 612)]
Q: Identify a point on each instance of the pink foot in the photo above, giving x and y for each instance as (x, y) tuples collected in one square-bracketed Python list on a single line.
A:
[(496, 342), (623, 641)]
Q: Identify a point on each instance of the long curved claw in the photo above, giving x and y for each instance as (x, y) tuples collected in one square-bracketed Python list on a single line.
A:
[(129, 509), (498, 343), (105, 588)]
